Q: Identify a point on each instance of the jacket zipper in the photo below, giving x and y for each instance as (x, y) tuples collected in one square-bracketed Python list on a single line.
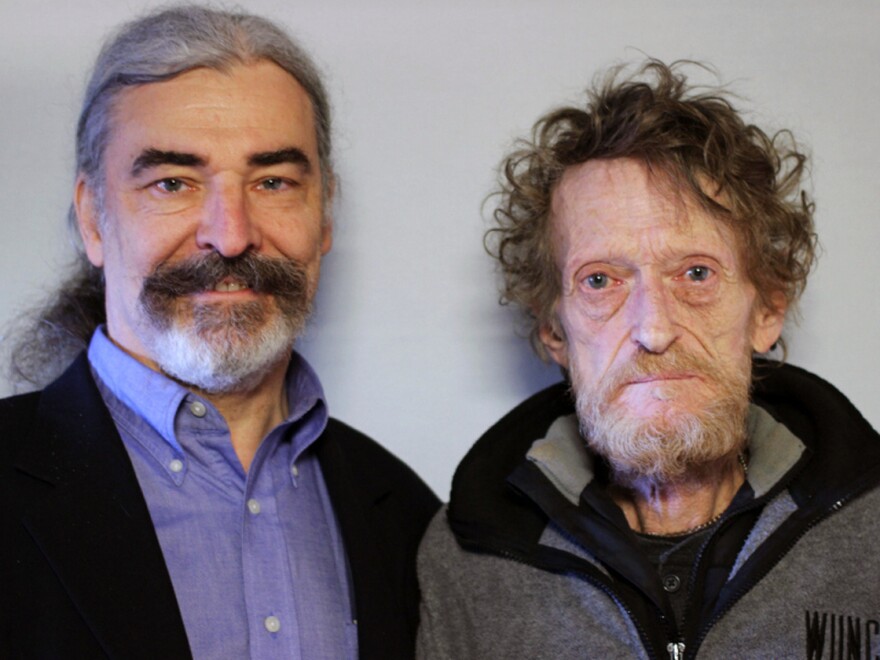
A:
[(679, 653), (675, 650)]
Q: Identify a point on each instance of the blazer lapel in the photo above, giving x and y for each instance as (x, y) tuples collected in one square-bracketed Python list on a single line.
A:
[(382, 629), (89, 518)]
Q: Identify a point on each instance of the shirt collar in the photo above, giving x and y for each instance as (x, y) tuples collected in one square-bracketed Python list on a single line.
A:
[(128, 380)]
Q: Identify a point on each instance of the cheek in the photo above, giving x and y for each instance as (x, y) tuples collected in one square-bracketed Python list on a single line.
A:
[(138, 257), (592, 345), (309, 255), (727, 322), (291, 237), (131, 257), (145, 233), (600, 306)]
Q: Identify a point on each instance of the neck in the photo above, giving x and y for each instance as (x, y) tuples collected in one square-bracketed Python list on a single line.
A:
[(673, 508), (251, 415)]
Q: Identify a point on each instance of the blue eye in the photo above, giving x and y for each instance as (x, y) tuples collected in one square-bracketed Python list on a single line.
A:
[(170, 185), (698, 273), (276, 183), (597, 280)]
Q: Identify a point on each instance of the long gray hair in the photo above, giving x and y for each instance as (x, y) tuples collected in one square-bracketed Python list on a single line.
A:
[(156, 47)]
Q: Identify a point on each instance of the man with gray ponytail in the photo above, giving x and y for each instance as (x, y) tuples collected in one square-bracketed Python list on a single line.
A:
[(177, 488)]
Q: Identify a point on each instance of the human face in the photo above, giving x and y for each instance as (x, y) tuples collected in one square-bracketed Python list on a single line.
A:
[(657, 319), (209, 163)]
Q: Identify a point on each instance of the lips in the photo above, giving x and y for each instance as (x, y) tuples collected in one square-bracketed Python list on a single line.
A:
[(654, 378)]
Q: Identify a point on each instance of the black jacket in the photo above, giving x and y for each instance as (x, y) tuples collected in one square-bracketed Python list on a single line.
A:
[(501, 505), (83, 574)]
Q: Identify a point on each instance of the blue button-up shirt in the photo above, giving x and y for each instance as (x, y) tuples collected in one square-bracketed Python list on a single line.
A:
[(256, 558)]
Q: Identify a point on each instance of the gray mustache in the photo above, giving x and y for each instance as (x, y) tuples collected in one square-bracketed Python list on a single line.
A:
[(284, 278)]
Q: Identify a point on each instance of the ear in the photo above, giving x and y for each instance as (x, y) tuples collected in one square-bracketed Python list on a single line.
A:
[(327, 227), (553, 337), (326, 235), (767, 323), (86, 206)]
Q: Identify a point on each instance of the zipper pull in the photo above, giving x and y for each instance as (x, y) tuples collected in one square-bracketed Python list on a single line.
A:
[(675, 650)]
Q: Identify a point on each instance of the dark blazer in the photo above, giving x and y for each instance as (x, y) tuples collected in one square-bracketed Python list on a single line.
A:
[(81, 571)]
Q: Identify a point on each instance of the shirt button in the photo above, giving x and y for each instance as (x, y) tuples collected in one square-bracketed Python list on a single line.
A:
[(294, 471), (254, 507), (671, 583), (198, 409), (176, 465), (273, 625)]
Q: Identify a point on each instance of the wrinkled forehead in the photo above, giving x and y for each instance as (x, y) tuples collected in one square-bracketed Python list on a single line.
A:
[(230, 78), (258, 87), (633, 190), (615, 182)]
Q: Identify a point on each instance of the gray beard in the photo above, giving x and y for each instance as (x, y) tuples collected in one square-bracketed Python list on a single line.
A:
[(225, 348), (674, 447)]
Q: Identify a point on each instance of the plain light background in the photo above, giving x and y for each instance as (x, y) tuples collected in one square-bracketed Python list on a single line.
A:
[(408, 338)]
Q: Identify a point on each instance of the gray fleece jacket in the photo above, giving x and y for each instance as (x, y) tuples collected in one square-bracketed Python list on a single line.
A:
[(531, 559)]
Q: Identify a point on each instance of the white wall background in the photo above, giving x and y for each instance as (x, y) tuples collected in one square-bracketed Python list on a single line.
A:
[(408, 338)]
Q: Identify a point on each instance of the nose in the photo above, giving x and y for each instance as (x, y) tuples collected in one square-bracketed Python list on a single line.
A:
[(653, 308), (227, 225)]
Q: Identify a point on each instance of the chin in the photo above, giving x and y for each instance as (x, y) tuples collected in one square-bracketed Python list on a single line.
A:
[(664, 441), (660, 407), (223, 360)]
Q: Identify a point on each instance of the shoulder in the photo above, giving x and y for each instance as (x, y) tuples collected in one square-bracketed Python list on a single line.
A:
[(17, 417), (360, 451), (533, 416), (442, 563), (19, 409), (439, 551), (357, 465), (844, 449), (805, 402), (356, 443), (481, 477)]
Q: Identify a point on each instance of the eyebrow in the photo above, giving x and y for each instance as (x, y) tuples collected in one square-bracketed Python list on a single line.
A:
[(149, 158), (289, 155)]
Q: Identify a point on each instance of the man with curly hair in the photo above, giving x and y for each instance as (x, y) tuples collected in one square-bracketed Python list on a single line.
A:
[(678, 495)]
